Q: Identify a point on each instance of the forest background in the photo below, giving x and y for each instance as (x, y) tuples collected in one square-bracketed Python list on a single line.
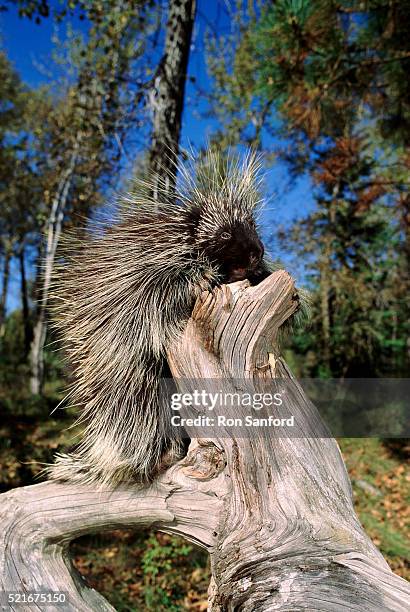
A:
[(322, 89)]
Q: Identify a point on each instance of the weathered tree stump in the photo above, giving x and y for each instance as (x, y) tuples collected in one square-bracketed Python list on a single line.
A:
[(274, 512)]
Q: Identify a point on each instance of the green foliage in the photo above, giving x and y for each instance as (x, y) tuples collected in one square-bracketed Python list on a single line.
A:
[(144, 570), (156, 557), (355, 328), (330, 59), (331, 80), (157, 560), (15, 397), (18, 177)]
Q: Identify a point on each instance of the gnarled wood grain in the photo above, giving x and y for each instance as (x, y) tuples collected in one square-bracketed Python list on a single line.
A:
[(275, 513)]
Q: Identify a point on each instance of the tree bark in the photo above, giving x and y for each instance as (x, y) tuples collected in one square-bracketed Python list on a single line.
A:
[(324, 290), (275, 513), (405, 271), (4, 290), (167, 95), (24, 302)]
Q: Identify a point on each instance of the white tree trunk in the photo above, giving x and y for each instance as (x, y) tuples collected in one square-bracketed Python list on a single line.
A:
[(53, 233), (275, 514)]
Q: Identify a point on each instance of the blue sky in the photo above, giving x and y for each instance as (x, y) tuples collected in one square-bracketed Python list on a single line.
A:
[(29, 47)]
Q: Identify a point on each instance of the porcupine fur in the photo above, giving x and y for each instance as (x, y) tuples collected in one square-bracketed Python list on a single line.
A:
[(121, 297)]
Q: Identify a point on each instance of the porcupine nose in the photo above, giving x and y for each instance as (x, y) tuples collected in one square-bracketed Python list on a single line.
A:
[(255, 257)]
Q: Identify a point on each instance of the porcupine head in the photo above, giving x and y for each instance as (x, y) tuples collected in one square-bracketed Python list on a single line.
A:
[(120, 298)]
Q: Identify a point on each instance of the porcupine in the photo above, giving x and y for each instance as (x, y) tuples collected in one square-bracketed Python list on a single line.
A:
[(122, 297)]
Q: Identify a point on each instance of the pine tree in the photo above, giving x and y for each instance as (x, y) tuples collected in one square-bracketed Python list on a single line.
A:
[(328, 81)]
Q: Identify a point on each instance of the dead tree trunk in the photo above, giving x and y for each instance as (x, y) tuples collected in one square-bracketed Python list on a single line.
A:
[(275, 513)]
